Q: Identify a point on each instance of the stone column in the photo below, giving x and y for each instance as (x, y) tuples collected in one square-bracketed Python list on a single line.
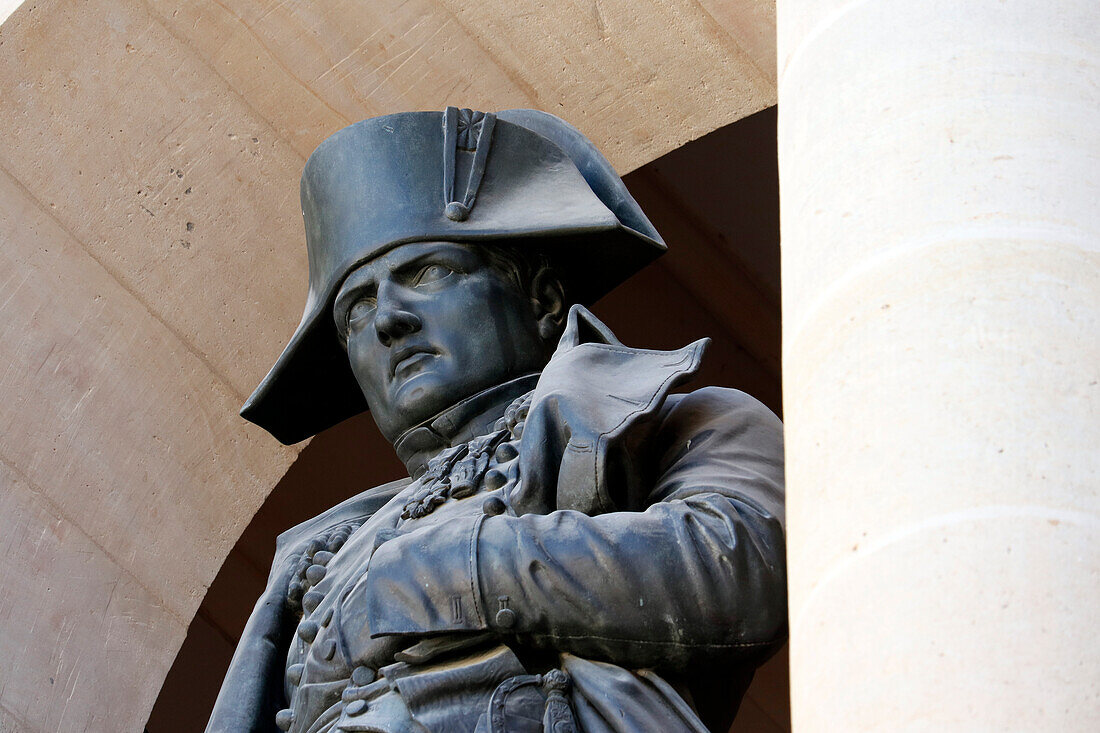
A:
[(940, 185)]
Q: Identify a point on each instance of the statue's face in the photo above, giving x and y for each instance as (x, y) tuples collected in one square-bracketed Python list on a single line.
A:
[(430, 323)]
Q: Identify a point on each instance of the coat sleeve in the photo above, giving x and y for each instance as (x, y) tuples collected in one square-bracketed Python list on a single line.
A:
[(252, 691), (698, 575)]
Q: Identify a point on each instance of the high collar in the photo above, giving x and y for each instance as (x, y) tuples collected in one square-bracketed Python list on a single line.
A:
[(459, 423)]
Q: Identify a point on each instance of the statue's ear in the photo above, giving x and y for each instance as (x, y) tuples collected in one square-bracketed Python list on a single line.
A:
[(548, 299)]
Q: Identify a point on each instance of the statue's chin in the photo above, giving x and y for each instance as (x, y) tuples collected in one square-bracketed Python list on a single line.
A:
[(414, 399), (417, 398), (431, 387)]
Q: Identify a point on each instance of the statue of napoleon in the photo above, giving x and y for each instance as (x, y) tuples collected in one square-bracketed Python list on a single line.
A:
[(577, 547)]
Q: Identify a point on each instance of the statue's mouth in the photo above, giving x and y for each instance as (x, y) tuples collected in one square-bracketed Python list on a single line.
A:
[(409, 359)]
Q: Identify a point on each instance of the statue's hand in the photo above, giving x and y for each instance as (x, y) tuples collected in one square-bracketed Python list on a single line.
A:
[(414, 649), (380, 651), (433, 647)]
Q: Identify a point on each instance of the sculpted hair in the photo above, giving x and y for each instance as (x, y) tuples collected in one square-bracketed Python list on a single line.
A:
[(522, 265)]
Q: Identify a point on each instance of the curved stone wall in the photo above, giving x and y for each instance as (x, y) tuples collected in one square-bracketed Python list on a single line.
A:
[(153, 268)]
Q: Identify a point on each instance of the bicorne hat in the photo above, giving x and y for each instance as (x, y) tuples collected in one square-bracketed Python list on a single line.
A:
[(521, 177)]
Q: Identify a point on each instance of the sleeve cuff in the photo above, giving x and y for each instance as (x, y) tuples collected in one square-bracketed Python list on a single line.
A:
[(423, 582)]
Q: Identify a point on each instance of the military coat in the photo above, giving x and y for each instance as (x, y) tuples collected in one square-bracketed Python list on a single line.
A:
[(606, 555)]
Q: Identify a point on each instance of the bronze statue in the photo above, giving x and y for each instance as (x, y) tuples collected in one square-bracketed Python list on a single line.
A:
[(576, 548)]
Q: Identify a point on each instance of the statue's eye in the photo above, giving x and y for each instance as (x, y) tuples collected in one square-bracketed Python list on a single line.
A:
[(362, 308), (432, 273)]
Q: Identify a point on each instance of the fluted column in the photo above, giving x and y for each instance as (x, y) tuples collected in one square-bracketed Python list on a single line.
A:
[(940, 188)]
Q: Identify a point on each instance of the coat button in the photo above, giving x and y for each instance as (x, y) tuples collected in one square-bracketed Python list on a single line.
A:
[(308, 631), (284, 719), (363, 676), (505, 452), (323, 557), (494, 479), (311, 600), (506, 618), (294, 673), (456, 211), (355, 707), (494, 506), (315, 573)]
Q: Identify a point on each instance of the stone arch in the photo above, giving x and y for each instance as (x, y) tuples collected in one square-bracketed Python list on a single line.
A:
[(153, 269)]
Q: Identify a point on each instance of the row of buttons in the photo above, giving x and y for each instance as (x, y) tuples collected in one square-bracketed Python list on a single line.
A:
[(312, 570), (356, 690)]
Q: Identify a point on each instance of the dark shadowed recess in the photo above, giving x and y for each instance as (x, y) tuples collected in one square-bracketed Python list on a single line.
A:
[(716, 202)]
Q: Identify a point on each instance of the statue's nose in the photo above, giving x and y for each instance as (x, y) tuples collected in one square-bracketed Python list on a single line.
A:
[(392, 320)]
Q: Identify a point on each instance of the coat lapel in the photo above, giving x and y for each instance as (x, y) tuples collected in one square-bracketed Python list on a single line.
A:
[(595, 401)]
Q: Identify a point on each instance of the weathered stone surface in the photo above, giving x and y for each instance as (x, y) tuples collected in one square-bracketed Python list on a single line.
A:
[(639, 80), (126, 431), (129, 447), (161, 172), (72, 624)]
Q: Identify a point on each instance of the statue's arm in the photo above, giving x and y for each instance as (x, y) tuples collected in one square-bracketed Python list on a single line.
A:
[(698, 576), (252, 691)]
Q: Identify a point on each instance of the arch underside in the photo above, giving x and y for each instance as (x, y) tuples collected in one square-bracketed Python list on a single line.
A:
[(153, 268)]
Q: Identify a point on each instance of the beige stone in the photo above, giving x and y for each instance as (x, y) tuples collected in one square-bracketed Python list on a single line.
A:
[(113, 420), (163, 174), (72, 620), (640, 80), (940, 167)]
